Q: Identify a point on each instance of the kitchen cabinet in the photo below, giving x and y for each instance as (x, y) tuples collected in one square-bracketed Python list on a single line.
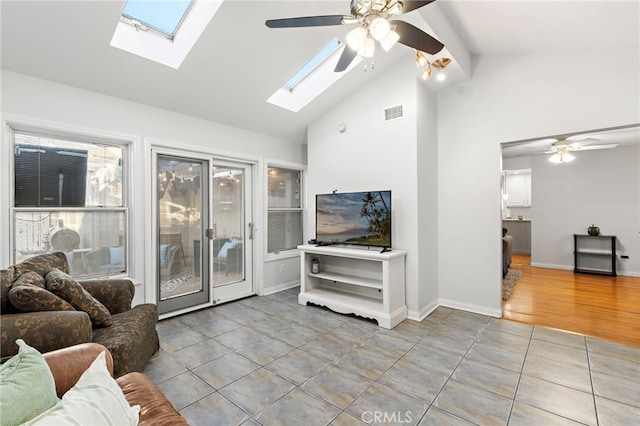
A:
[(518, 188), (520, 230)]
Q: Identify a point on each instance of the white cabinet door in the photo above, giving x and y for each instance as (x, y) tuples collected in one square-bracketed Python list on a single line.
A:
[(518, 188)]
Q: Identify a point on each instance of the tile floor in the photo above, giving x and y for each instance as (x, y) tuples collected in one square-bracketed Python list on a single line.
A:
[(270, 361)]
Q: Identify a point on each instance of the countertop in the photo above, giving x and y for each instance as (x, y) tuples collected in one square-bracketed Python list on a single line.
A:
[(515, 220)]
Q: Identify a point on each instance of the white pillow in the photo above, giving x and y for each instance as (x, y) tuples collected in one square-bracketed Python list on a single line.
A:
[(96, 399), (116, 255)]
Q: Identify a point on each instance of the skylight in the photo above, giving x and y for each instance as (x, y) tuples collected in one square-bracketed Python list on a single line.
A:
[(176, 26), (316, 76), (163, 16), (313, 64)]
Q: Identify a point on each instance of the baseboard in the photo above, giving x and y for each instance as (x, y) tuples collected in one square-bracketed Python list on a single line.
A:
[(422, 313), (570, 268), (280, 287), (497, 313), (552, 266)]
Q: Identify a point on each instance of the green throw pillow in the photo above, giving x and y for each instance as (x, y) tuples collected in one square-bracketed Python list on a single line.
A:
[(27, 388), (63, 285)]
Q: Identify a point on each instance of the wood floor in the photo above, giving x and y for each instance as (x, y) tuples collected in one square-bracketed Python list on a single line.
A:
[(592, 305)]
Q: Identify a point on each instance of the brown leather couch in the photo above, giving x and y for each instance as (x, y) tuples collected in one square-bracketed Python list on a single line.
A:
[(68, 364)]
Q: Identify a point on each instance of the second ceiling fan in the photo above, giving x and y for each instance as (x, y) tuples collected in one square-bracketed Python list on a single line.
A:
[(562, 147), (372, 17)]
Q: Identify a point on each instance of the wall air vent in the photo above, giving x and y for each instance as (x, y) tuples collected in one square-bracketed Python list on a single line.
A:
[(393, 113)]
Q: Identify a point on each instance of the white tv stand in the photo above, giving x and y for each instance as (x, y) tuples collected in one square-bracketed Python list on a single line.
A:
[(356, 281)]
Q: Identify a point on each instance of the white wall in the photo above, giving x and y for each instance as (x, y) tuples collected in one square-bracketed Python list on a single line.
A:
[(427, 147), (599, 187), (511, 98), (43, 103), (373, 155)]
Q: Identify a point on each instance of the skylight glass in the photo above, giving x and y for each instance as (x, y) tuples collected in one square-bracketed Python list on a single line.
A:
[(313, 64), (189, 22), (316, 76), (164, 16)]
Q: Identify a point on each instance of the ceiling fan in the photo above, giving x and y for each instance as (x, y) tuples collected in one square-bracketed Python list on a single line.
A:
[(372, 17), (562, 147)]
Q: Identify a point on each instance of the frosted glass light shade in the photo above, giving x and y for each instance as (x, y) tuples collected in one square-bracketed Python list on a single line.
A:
[(388, 42), (368, 48), (421, 60), (356, 38), (379, 28), (562, 157)]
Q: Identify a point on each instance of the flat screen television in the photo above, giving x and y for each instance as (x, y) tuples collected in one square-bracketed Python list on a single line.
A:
[(358, 218)]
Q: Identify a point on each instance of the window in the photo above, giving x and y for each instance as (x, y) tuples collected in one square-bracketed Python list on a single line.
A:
[(68, 197), (313, 64), (163, 31), (316, 76), (163, 16), (285, 209)]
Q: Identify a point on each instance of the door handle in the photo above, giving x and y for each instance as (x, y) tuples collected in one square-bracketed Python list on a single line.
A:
[(250, 236)]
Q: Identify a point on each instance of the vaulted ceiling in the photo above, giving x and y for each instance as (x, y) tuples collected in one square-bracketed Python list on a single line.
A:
[(238, 62)]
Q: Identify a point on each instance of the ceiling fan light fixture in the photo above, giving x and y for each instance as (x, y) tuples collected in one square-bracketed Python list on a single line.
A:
[(379, 28), (368, 48), (562, 157), (441, 63), (441, 76), (421, 59), (389, 41), (356, 38), (427, 73), (395, 8)]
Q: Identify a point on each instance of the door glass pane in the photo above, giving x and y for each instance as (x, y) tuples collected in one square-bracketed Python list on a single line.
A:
[(228, 225), (180, 227)]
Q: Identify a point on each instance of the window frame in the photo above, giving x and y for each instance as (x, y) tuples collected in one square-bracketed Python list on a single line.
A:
[(77, 136), (301, 168)]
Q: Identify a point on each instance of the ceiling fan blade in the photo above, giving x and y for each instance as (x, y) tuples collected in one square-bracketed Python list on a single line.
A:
[(603, 146), (414, 37), (580, 142), (409, 5), (305, 21), (348, 55)]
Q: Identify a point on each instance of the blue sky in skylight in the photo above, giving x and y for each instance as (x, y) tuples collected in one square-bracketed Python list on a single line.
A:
[(310, 66), (163, 15)]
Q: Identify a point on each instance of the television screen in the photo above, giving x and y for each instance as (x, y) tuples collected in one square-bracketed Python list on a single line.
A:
[(362, 218)]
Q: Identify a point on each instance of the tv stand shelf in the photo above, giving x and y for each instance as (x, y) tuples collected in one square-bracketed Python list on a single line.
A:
[(356, 281), (350, 279)]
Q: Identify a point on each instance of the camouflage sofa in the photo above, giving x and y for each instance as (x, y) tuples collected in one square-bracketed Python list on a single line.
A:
[(129, 334)]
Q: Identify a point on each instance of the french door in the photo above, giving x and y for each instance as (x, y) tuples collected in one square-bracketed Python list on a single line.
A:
[(203, 252), (231, 233)]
